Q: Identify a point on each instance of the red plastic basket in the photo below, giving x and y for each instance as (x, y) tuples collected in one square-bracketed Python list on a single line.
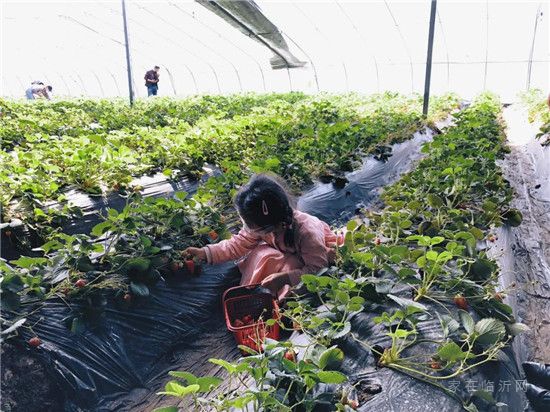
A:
[(248, 303)]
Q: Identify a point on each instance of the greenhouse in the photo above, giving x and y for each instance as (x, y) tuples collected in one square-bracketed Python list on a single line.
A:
[(239, 205)]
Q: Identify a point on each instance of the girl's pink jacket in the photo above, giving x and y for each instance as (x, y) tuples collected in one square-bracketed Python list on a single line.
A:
[(314, 247)]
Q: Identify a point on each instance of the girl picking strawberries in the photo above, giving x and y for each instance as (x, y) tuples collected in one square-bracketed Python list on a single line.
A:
[(277, 243)]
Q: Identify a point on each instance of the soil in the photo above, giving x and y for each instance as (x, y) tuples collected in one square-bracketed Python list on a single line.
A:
[(26, 387), (524, 252)]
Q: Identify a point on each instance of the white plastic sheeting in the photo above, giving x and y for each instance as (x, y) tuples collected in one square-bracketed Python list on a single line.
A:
[(364, 46)]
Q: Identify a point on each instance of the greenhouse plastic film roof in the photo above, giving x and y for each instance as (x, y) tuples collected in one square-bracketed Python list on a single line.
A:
[(363, 46)]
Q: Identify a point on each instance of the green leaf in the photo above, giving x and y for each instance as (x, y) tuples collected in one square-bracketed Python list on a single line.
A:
[(181, 195), (27, 262), (434, 200), (513, 217), (331, 377), (207, 383), (517, 328), (139, 289), (101, 228), (187, 376), (404, 302), (344, 331), (167, 172), (352, 224), (138, 264), (489, 331), (174, 388), (478, 234), (229, 367), (451, 352), (431, 255), (331, 358), (436, 240), (467, 321), (482, 269)]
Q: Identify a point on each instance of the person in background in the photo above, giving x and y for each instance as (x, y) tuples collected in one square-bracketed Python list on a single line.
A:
[(277, 244), (38, 90), (152, 81)]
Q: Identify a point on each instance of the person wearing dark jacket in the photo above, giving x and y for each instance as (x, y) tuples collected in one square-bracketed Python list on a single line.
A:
[(152, 81)]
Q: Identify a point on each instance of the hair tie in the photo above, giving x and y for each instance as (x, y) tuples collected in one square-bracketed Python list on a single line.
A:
[(264, 208)]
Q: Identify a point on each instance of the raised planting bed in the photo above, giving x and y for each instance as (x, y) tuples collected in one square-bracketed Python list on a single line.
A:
[(412, 314)]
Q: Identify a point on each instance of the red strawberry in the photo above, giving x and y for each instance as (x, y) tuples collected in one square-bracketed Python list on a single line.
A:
[(80, 283), (238, 323), (290, 355), (175, 266), (435, 364), (213, 235), (248, 319), (35, 342), (461, 302), (190, 263), (353, 404), (127, 298), (377, 241)]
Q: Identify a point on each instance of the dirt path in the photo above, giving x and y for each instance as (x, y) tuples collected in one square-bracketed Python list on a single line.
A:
[(524, 252)]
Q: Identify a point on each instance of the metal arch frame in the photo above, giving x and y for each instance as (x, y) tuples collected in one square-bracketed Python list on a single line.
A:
[(327, 39), (65, 83), (74, 80), (252, 34), (199, 41), (227, 40), (486, 44), (375, 61), (21, 83), (179, 45), (307, 56), (115, 81), (171, 79), (99, 83), (136, 50), (404, 43), (446, 49), (532, 50)]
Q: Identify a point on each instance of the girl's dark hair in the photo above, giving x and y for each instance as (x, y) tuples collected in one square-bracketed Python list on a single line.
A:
[(264, 202)]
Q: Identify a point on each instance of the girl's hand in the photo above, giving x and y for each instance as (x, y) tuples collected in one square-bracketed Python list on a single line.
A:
[(275, 282), (195, 252)]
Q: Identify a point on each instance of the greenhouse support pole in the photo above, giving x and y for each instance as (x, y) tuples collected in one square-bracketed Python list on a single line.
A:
[(130, 89), (429, 59), (531, 52)]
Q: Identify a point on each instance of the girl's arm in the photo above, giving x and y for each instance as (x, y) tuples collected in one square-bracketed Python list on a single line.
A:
[(314, 254), (231, 249)]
